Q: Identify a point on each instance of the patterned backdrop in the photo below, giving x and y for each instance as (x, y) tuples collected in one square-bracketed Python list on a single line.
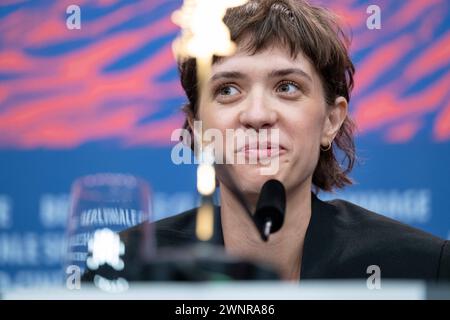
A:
[(106, 98)]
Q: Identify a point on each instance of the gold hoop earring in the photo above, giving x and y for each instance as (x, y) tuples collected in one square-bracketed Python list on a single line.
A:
[(327, 148)]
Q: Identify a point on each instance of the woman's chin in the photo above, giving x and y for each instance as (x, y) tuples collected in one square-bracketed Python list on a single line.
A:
[(248, 179), (253, 183)]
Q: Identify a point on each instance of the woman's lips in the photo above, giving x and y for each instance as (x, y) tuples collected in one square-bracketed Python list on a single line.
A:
[(262, 153)]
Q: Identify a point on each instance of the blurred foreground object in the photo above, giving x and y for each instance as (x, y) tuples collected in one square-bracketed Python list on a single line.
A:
[(101, 206)]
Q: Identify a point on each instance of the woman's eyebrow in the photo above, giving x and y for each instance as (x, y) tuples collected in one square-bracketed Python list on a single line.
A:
[(272, 74), (288, 71), (228, 75)]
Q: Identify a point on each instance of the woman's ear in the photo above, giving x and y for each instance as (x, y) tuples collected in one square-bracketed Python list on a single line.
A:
[(335, 117)]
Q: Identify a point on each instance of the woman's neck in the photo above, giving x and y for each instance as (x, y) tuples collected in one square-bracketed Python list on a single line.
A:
[(284, 248)]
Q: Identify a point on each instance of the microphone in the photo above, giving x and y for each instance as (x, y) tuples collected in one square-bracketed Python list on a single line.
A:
[(270, 208)]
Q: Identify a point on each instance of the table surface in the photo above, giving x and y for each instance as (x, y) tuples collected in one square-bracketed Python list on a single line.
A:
[(328, 290)]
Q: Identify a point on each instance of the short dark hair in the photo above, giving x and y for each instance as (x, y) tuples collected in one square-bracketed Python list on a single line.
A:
[(303, 28)]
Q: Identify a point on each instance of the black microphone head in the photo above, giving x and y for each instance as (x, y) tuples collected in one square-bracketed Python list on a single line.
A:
[(271, 205)]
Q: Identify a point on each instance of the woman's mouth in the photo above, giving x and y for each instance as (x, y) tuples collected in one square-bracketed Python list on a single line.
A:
[(261, 152)]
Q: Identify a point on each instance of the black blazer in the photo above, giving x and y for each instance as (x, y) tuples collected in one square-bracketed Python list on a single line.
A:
[(341, 241)]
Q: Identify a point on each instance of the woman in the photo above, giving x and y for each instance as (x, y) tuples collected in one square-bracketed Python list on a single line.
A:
[(292, 72)]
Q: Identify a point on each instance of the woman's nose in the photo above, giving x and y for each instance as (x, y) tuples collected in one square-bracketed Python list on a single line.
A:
[(257, 114)]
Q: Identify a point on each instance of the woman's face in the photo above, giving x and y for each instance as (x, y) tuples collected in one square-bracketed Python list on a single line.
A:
[(270, 90)]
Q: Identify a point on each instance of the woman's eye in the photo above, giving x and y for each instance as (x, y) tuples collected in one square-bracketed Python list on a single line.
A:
[(288, 87), (228, 90)]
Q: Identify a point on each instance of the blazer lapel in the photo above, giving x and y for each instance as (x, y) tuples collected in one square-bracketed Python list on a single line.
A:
[(321, 247)]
